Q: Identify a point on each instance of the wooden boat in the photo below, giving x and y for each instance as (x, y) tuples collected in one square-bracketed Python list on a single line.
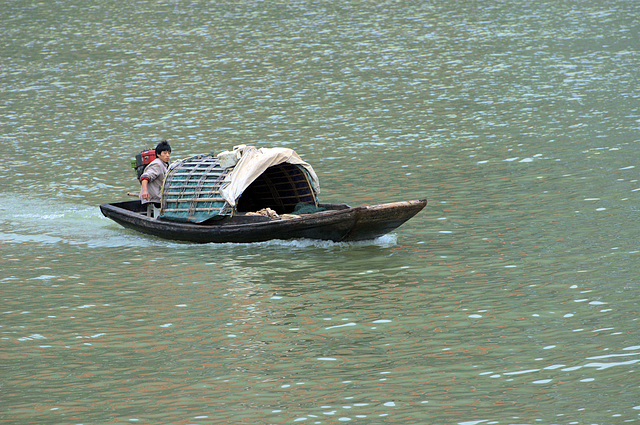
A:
[(206, 200), (338, 223)]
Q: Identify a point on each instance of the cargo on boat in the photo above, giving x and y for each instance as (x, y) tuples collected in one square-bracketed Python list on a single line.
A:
[(253, 195)]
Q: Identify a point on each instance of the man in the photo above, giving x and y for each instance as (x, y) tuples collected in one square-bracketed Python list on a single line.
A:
[(154, 173)]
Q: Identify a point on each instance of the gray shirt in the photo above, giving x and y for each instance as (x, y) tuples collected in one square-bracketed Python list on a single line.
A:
[(154, 173)]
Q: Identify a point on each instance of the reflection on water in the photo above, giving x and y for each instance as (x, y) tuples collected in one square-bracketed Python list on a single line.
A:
[(375, 340), (508, 300)]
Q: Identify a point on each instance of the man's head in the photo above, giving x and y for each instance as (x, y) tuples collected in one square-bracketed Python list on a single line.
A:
[(163, 151), (163, 146)]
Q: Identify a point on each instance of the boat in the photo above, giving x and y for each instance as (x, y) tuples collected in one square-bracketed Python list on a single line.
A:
[(253, 195)]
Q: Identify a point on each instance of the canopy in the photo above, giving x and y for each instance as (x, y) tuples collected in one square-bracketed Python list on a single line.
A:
[(246, 179), (253, 162)]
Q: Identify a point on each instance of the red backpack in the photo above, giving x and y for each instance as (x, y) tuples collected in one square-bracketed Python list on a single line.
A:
[(141, 160)]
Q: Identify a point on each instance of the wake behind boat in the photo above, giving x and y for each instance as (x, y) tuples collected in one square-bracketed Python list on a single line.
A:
[(254, 195)]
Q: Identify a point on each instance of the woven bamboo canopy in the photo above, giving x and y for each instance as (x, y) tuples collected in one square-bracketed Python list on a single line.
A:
[(199, 188)]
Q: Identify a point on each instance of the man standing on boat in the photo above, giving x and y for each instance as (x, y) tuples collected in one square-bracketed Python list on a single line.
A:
[(154, 173)]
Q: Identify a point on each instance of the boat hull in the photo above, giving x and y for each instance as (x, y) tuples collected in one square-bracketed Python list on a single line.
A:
[(339, 223)]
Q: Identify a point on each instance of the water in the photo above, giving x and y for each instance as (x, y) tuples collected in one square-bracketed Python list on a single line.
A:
[(512, 298)]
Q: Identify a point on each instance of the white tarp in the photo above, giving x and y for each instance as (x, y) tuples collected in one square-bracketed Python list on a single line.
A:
[(253, 162)]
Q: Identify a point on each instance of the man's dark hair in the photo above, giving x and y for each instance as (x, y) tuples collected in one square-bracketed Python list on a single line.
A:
[(162, 146)]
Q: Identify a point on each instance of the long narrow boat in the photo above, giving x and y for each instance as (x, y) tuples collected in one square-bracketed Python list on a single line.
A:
[(336, 223), (254, 195)]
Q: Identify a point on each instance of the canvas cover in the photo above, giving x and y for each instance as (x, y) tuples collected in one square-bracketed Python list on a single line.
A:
[(253, 162), (209, 186)]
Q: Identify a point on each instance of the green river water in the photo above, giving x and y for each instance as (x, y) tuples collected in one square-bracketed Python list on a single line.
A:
[(511, 299)]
